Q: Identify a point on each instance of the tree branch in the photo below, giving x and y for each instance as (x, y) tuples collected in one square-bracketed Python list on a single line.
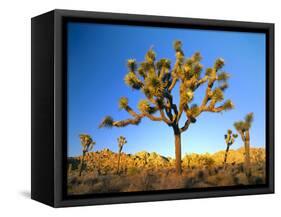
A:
[(169, 112), (206, 97), (186, 125), (123, 123), (227, 105), (152, 117), (166, 120), (201, 81), (180, 113), (131, 111), (174, 81), (218, 109), (172, 106)]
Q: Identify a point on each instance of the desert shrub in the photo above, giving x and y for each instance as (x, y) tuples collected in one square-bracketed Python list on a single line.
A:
[(90, 181), (212, 171), (189, 182), (225, 180), (202, 185), (198, 161), (73, 163), (140, 182), (191, 178), (116, 183), (147, 179), (74, 181), (171, 181), (212, 180), (257, 180), (97, 188), (241, 179), (200, 174), (132, 171), (240, 168)]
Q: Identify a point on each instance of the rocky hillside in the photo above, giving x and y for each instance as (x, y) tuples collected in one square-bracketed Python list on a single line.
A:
[(105, 161)]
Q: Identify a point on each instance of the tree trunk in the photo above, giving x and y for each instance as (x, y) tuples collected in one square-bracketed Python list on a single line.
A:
[(82, 163), (99, 163), (178, 150), (118, 164), (69, 168), (225, 156), (247, 154)]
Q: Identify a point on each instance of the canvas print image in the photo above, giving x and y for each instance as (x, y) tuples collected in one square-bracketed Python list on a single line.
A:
[(158, 108)]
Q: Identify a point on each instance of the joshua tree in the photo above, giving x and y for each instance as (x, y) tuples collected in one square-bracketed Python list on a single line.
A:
[(157, 80), (87, 145), (121, 142), (243, 128), (229, 140)]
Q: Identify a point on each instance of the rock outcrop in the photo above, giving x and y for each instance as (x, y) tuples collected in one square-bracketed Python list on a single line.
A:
[(105, 161)]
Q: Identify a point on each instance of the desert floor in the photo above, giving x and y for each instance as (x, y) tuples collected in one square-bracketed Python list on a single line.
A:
[(145, 171)]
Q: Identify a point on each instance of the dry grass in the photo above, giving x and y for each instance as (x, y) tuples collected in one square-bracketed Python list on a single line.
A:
[(138, 173)]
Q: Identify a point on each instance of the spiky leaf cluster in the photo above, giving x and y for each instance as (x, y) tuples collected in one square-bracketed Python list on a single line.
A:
[(86, 142), (163, 64), (121, 142), (228, 105), (107, 122), (209, 72), (217, 95), (242, 126), (194, 109), (123, 102), (145, 107), (249, 119), (177, 46), (230, 137), (132, 65), (187, 96), (133, 81), (219, 63), (223, 76), (150, 56), (153, 86)]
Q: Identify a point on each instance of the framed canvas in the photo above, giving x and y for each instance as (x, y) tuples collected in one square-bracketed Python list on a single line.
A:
[(133, 108)]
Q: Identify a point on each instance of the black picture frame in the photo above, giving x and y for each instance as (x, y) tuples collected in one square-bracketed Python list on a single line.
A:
[(49, 106)]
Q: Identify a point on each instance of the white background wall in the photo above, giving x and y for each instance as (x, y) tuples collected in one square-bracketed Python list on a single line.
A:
[(15, 106)]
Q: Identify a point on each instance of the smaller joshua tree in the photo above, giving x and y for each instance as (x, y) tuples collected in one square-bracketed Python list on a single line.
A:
[(229, 140), (87, 145), (121, 142), (243, 128)]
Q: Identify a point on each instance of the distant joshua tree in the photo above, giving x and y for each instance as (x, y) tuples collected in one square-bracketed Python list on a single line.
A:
[(121, 142), (243, 128), (157, 79), (229, 140), (87, 145)]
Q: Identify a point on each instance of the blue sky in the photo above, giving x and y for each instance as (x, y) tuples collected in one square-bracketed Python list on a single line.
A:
[(97, 55)]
